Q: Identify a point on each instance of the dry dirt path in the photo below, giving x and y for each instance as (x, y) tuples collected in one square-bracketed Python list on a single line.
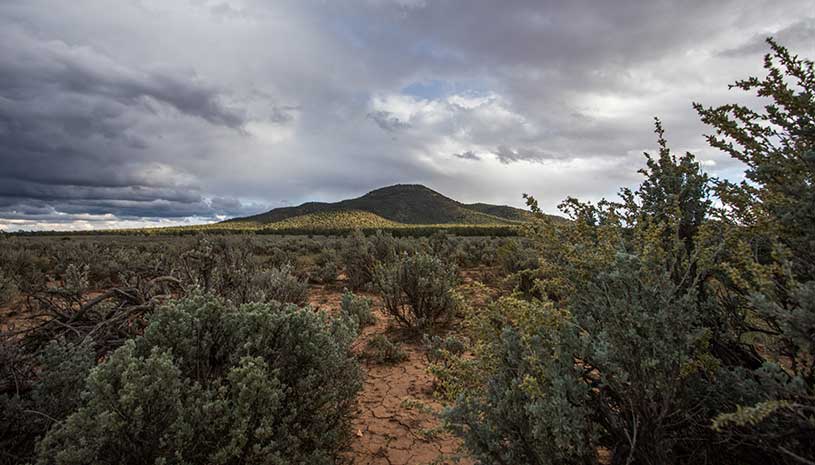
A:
[(395, 423)]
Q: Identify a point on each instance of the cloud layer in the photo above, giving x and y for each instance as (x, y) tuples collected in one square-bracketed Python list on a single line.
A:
[(169, 112)]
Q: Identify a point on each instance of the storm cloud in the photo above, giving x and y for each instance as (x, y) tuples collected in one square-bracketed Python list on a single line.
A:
[(163, 112)]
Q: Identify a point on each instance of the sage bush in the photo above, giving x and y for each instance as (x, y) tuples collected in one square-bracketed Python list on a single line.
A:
[(418, 290), (210, 384)]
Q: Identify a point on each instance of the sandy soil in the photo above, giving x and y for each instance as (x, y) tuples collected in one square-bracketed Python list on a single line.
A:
[(396, 420)]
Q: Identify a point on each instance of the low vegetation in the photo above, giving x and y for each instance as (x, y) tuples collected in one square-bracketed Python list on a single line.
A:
[(77, 319), (417, 290), (212, 384), (382, 350), (357, 308)]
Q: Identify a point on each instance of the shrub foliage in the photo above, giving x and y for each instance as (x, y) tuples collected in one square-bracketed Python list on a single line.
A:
[(358, 309), (417, 290), (672, 330), (263, 383), (380, 349)]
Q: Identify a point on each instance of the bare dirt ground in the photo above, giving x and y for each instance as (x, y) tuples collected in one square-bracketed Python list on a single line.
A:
[(396, 421)]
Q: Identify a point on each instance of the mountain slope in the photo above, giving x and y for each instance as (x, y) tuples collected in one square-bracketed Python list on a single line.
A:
[(337, 219), (501, 211), (402, 203)]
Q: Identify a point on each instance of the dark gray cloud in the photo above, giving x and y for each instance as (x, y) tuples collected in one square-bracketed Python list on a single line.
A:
[(71, 138), (508, 155), (387, 121), (468, 155), (28, 64), (155, 112), (796, 35)]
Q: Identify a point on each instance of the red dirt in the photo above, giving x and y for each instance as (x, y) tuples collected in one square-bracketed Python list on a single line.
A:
[(396, 421)]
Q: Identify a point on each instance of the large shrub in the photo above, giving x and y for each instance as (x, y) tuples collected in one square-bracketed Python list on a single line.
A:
[(278, 284), (514, 256), (769, 220), (626, 366), (417, 290), (325, 268), (528, 412), (359, 261), (263, 383), (384, 247), (228, 267), (686, 332), (36, 393)]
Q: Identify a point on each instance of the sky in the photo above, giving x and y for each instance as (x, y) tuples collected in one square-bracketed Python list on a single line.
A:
[(131, 113)]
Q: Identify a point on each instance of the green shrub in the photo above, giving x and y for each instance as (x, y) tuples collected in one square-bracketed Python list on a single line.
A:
[(527, 412), (628, 367), (359, 261), (325, 269), (470, 252), (278, 257), (513, 256), (631, 361), (770, 234), (520, 262), (358, 308), (442, 245), (24, 269), (263, 383), (7, 288), (228, 267), (39, 394), (686, 329), (279, 284), (76, 280), (325, 273), (624, 358), (417, 290), (439, 350), (380, 349), (452, 372), (384, 247)]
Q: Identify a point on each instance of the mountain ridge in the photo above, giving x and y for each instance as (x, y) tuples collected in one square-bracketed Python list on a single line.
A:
[(400, 203)]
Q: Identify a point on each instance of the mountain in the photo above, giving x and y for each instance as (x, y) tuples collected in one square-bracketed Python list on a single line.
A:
[(501, 211), (401, 204)]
